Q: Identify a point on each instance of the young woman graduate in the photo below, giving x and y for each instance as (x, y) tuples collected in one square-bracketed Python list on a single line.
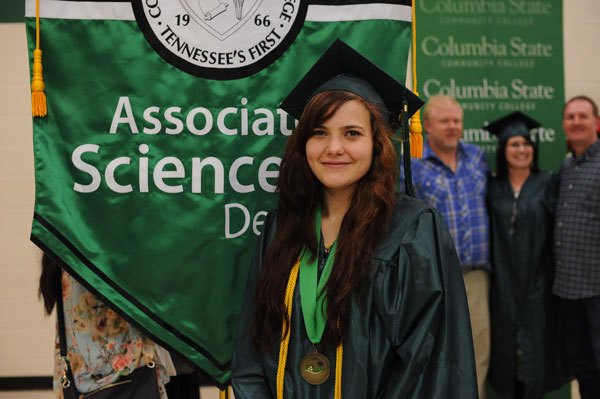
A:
[(527, 359), (354, 291)]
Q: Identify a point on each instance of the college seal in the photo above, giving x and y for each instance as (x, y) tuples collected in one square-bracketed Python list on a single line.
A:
[(220, 39)]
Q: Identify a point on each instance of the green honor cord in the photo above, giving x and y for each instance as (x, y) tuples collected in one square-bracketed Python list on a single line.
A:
[(312, 294)]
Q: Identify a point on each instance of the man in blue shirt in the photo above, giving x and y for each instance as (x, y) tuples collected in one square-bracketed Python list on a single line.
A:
[(576, 239), (452, 177)]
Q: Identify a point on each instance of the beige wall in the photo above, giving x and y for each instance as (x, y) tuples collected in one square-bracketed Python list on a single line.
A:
[(582, 58), (26, 336)]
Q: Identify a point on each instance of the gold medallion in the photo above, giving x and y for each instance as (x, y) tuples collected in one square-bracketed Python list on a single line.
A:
[(315, 368)]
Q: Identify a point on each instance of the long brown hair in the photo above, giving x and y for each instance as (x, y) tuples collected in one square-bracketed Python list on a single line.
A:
[(49, 283), (300, 194)]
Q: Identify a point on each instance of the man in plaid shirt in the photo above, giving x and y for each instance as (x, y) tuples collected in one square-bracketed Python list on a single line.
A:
[(577, 243), (452, 177)]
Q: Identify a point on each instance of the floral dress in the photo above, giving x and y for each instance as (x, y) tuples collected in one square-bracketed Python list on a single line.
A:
[(101, 346)]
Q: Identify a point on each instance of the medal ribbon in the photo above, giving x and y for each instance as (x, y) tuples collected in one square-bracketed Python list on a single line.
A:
[(285, 341), (312, 295)]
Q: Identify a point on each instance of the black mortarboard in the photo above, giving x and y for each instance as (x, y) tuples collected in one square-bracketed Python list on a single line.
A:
[(343, 68), (511, 125)]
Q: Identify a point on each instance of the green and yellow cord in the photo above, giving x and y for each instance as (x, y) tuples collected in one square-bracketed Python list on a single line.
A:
[(285, 341)]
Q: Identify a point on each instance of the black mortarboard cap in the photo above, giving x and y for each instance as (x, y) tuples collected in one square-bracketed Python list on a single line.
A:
[(511, 125), (343, 68)]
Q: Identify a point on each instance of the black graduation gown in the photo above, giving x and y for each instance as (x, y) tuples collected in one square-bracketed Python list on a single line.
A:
[(521, 291), (412, 340)]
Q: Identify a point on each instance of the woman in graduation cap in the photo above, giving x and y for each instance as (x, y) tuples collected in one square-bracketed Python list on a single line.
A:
[(354, 291), (526, 356)]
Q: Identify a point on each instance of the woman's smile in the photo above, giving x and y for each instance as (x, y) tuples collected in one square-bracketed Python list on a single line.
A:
[(335, 164)]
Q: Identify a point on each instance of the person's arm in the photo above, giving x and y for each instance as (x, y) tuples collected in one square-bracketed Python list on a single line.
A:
[(550, 200), (483, 163), (426, 316), (247, 372)]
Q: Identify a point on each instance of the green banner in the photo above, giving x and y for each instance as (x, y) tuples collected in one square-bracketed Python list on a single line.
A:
[(495, 57), (159, 156)]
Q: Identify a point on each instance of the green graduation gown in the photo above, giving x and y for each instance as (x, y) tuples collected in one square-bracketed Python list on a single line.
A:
[(521, 292), (412, 340)]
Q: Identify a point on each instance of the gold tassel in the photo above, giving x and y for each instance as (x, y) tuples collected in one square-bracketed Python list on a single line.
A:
[(38, 97), (416, 137), (415, 128)]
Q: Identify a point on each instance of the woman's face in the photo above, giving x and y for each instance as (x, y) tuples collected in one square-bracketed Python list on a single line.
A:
[(340, 151), (519, 153)]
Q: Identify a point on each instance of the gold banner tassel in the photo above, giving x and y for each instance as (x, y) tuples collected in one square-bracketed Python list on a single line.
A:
[(416, 135), (38, 97)]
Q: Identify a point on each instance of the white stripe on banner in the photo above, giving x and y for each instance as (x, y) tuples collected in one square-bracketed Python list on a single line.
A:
[(124, 12), (80, 10), (359, 12)]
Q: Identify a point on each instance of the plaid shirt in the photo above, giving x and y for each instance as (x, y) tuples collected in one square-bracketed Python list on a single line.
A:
[(460, 198), (577, 226)]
